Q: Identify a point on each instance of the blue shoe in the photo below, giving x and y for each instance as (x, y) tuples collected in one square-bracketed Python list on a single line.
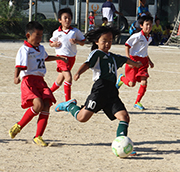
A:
[(133, 153), (139, 106), (119, 82), (63, 106)]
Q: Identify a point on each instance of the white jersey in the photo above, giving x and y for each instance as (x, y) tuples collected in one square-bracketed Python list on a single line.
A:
[(31, 60), (66, 48), (138, 44)]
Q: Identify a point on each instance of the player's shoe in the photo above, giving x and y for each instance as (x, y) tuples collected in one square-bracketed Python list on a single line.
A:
[(139, 106), (63, 106), (133, 153), (39, 141), (14, 130), (119, 82)]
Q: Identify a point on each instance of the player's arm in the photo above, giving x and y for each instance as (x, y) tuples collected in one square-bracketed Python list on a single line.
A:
[(127, 50), (82, 69), (132, 63), (55, 44), (150, 62), (16, 75), (52, 58), (75, 41)]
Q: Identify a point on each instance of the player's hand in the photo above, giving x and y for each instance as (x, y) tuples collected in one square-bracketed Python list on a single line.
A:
[(151, 64), (76, 76), (17, 80), (56, 44), (65, 59), (138, 64), (72, 41)]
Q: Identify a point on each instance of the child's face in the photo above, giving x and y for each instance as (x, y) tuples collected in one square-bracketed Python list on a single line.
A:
[(90, 14), (157, 22), (65, 20), (105, 41), (35, 38), (146, 27), (143, 2)]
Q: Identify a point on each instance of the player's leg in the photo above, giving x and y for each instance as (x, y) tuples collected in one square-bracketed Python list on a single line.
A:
[(27, 117), (141, 92), (124, 119), (42, 123), (67, 84), (129, 78), (82, 115), (58, 82)]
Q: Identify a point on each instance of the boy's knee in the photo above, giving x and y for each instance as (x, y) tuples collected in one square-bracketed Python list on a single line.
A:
[(131, 84)]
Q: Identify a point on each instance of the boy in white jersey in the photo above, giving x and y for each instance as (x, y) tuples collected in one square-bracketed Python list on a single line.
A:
[(35, 94), (64, 40), (136, 49), (104, 94)]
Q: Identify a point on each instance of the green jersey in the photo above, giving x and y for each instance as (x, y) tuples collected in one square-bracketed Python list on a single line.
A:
[(104, 66)]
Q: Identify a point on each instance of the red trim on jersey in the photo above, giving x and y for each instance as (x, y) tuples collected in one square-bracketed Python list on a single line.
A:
[(22, 67), (60, 29), (147, 37), (31, 46), (126, 44)]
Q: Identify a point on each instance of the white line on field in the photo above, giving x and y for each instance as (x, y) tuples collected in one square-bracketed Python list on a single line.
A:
[(165, 71), (88, 92), (7, 57)]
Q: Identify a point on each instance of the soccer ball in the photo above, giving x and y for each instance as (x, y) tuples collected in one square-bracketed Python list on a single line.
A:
[(122, 146)]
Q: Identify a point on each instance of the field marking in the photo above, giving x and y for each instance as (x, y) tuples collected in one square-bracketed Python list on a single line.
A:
[(6, 57), (88, 92), (165, 71)]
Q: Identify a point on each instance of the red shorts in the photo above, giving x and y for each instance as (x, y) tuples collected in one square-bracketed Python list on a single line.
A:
[(62, 66), (134, 74), (34, 87)]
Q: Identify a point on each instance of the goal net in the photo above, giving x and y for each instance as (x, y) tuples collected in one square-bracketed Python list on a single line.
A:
[(174, 39)]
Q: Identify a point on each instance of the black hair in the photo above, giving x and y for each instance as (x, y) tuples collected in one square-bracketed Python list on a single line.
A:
[(157, 19), (65, 10), (33, 25), (145, 18), (94, 35), (104, 19)]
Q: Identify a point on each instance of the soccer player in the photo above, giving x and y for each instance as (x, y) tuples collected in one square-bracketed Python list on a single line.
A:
[(64, 40), (35, 94), (137, 50), (104, 94)]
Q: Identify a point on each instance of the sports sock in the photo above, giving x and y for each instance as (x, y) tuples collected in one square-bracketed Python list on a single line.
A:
[(55, 86), (42, 122), (125, 80), (67, 90), (122, 129), (141, 92), (74, 109), (27, 117)]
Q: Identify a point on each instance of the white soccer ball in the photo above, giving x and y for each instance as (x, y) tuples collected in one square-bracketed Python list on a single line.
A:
[(122, 146)]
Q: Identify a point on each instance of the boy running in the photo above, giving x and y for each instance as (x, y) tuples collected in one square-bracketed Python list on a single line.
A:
[(136, 49), (35, 94), (64, 40)]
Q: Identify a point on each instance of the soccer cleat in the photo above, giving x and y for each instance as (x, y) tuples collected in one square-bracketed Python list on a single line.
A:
[(133, 153), (119, 82), (39, 141), (139, 106), (14, 130), (63, 106)]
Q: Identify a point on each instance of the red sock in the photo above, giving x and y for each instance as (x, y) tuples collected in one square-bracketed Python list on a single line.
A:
[(42, 122), (29, 114), (141, 92), (54, 87), (125, 80), (67, 90)]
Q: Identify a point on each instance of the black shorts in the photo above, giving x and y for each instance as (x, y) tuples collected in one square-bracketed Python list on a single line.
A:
[(104, 95)]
